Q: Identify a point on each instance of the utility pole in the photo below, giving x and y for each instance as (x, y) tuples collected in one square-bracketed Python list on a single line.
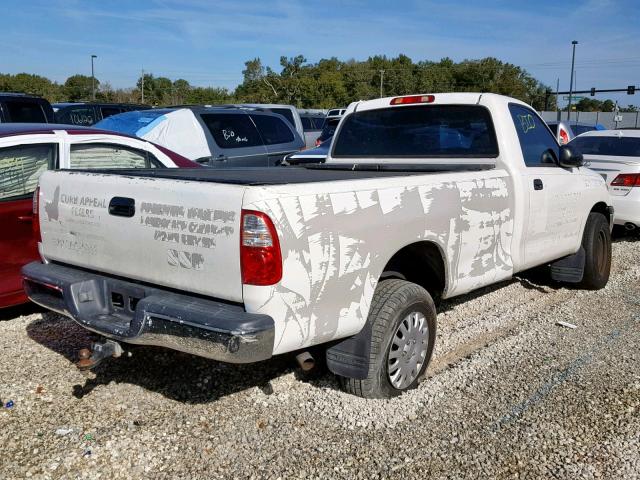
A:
[(142, 87), (93, 79), (557, 106), (381, 80), (573, 62)]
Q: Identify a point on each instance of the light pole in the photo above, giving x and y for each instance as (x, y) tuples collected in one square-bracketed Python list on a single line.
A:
[(93, 79), (573, 61)]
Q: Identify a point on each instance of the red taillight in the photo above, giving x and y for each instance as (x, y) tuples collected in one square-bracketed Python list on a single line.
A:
[(413, 99), (260, 257), (35, 222), (564, 137), (627, 180), (318, 142)]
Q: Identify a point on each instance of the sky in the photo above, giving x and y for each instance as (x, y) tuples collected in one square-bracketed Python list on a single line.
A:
[(207, 42)]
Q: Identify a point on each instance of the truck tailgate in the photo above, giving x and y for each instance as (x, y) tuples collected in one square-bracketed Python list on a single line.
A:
[(179, 234)]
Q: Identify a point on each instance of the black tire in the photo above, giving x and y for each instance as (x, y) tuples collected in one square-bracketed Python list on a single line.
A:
[(393, 302), (596, 242)]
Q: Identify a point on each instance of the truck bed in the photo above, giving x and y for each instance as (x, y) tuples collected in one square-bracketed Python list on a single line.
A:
[(288, 175)]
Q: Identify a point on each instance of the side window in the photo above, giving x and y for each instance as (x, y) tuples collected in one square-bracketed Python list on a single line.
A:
[(286, 113), (77, 116), (232, 130), (272, 129), (104, 155), (306, 123), (25, 112), (21, 166), (108, 111), (539, 147)]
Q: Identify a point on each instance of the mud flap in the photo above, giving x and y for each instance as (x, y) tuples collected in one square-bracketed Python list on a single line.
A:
[(569, 269), (350, 357)]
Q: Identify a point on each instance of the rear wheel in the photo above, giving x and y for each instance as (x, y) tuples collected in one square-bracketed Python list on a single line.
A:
[(403, 321), (596, 242)]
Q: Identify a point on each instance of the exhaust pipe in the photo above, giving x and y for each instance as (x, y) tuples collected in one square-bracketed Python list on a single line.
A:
[(305, 361), (630, 227)]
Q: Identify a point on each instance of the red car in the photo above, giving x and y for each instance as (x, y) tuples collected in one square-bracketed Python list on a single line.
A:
[(27, 150)]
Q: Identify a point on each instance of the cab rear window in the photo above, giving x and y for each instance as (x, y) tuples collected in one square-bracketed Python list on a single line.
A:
[(418, 132)]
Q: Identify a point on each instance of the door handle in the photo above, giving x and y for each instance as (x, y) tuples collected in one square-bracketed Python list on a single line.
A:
[(25, 218), (537, 184), (122, 207)]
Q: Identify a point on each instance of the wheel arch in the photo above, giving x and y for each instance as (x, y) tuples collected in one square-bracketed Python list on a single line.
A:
[(603, 208), (424, 263)]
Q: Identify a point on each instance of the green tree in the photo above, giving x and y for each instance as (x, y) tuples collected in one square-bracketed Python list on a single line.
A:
[(32, 84), (208, 96), (78, 88), (608, 106), (180, 91)]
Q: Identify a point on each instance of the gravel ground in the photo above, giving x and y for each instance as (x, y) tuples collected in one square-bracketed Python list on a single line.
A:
[(511, 395)]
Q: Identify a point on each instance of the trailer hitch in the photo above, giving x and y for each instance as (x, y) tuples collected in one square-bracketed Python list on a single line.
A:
[(90, 358)]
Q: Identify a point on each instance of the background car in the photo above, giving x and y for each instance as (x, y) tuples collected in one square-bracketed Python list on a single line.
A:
[(328, 129), (23, 108), (336, 112), (217, 136), (566, 131), (615, 154), (312, 126), (311, 155), (88, 114), (28, 150)]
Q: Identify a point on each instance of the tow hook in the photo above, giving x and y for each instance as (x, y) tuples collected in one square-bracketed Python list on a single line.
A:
[(90, 358)]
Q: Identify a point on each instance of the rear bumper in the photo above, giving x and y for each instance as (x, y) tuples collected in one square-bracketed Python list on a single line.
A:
[(142, 315), (627, 208)]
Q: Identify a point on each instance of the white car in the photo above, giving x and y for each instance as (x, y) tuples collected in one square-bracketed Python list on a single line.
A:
[(615, 154)]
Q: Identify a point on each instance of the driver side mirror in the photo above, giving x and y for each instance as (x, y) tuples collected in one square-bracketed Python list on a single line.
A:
[(570, 157)]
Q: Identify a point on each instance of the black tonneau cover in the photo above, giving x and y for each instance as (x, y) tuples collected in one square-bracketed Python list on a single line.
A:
[(286, 175)]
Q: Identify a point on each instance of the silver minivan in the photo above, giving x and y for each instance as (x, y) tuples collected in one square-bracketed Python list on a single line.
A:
[(216, 136)]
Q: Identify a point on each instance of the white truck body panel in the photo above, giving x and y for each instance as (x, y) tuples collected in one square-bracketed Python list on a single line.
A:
[(184, 235), (337, 239)]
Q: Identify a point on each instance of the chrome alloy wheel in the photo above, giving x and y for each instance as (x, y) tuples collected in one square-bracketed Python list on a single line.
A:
[(408, 350)]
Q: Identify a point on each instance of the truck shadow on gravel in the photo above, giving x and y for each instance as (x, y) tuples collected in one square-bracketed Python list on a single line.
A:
[(622, 236), (537, 279), (19, 311), (177, 376)]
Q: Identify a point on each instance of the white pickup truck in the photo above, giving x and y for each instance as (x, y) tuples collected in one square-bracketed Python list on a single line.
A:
[(421, 198)]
